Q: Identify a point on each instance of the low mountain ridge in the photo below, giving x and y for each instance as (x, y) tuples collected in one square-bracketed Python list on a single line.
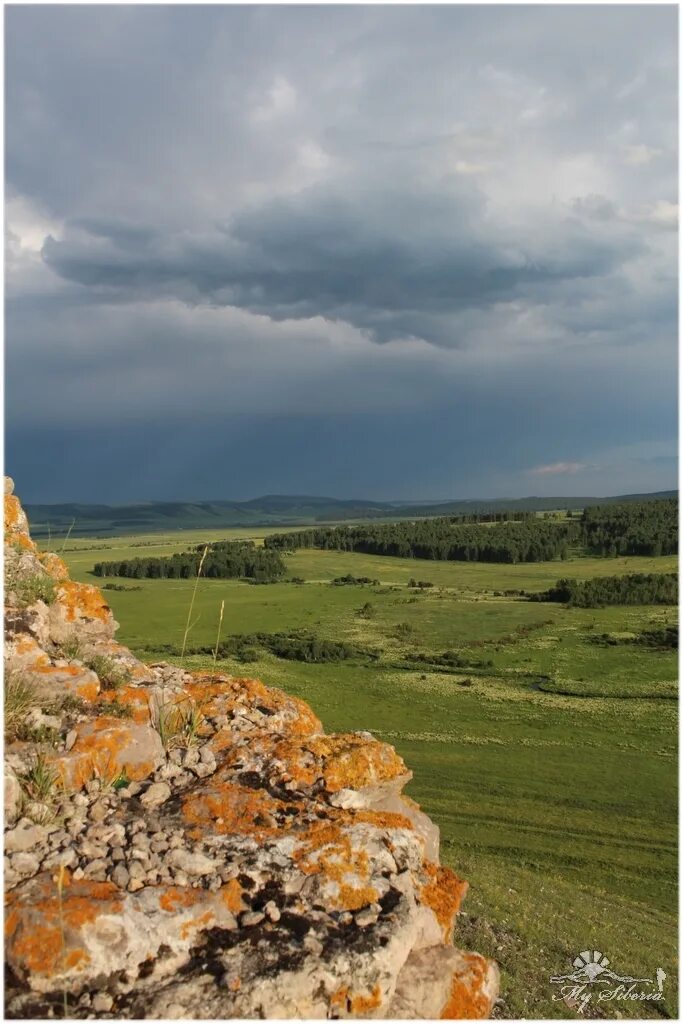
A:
[(277, 510)]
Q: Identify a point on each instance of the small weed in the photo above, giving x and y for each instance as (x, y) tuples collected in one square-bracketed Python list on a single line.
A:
[(72, 649), (40, 781), (20, 697), (118, 710), (38, 734), (178, 724), (34, 587), (71, 704), (110, 674)]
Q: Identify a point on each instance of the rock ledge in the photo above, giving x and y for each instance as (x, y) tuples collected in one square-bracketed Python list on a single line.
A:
[(193, 845)]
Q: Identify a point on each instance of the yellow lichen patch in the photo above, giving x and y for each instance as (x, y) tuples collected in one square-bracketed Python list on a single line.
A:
[(196, 924), (79, 681), (231, 896), (226, 694), (384, 819), (351, 762), (134, 698), (106, 747), (32, 655), (54, 565), (43, 940), (443, 893), (358, 1003), (326, 850), (361, 1004), (468, 998), (16, 524), (177, 897), (82, 600), (226, 807)]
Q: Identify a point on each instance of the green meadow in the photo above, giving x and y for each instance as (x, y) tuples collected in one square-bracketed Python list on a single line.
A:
[(548, 757)]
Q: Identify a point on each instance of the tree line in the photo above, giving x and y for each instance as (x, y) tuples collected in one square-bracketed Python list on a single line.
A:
[(636, 588), (526, 539), (223, 560), (634, 528)]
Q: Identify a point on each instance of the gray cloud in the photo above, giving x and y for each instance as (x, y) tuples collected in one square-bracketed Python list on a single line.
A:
[(226, 208)]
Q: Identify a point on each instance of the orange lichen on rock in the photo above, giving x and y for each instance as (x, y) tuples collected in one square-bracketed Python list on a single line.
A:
[(135, 698), (469, 998), (326, 850), (54, 565), (106, 747), (43, 938), (443, 893), (228, 695), (177, 897), (82, 600), (231, 895), (228, 808), (358, 1003), (16, 523), (351, 762), (196, 924)]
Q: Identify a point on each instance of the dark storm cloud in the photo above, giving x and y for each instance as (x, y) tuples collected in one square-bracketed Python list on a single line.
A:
[(395, 264), (217, 212)]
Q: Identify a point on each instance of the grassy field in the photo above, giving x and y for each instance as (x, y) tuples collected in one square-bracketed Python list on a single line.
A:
[(549, 760)]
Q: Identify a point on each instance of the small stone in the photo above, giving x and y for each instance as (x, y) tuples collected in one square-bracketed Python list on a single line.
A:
[(96, 870), (117, 854), (25, 863), (102, 1002), (71, 738), (98, 811), (157, 794), (190, 757), (136, 870), (206, 755), (251, 918), (192, 863), (93, 786), (78, 874), (19, 839), (272, 911), (66, 857), (180, 878), (364, 918), (135, 884), (313, 945), (80, 800), (120, 876), (91, 850)]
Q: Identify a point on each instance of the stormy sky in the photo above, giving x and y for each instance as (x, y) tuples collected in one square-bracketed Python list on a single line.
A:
[(382, 252)]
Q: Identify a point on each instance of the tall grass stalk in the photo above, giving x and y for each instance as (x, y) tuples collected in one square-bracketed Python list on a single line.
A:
[(194, 594), (218, 635), (60, 879), (68, 534)]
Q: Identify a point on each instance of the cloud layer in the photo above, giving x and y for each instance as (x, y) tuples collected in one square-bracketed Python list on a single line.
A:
[(401, 221)]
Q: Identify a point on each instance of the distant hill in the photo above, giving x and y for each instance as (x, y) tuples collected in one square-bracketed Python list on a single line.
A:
[(276, 510)]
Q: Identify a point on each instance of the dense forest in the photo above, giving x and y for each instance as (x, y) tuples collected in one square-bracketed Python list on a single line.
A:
[(444, 539), (223, 560), (634, 528), (637, 588)]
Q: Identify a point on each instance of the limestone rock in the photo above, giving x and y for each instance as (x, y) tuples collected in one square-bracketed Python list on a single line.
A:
[(255, 868)]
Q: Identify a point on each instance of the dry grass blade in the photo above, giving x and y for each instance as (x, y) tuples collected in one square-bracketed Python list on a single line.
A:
[(218, 635), (194, 594)]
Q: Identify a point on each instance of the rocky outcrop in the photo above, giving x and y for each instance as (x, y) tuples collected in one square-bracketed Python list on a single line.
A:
[(193, 845)]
